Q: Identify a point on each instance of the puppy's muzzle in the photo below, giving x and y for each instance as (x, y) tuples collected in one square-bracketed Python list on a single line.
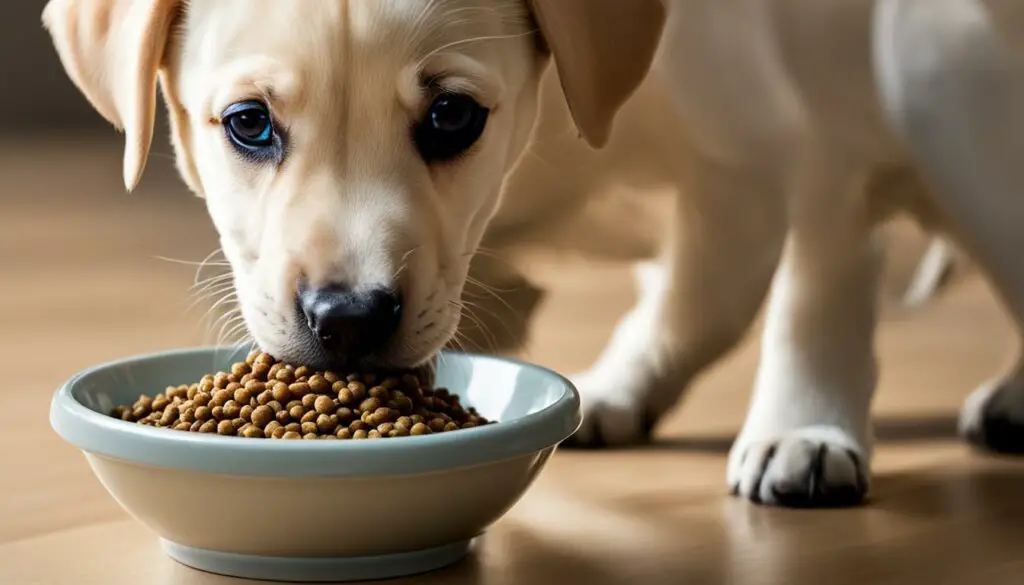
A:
[(349, 324)]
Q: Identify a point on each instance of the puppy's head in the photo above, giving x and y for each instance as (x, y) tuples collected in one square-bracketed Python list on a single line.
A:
[(351, 152)]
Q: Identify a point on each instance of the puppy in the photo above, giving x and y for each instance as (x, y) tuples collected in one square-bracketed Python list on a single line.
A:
[(353, 154)]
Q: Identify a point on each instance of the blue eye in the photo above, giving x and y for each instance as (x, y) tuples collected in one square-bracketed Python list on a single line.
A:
[(250, 128)]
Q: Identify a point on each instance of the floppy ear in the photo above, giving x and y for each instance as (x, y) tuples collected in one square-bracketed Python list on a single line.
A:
[(112, 50), (603, 50)]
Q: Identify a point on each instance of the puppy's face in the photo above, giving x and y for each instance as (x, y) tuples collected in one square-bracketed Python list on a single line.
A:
[(351, 152)]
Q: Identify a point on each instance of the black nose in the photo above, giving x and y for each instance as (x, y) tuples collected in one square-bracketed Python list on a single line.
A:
[(349, 322)]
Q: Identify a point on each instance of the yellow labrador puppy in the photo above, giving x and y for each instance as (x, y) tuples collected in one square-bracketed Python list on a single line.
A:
[(354, 152)]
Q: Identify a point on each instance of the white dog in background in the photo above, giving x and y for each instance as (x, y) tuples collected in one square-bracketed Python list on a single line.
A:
[(354, 153)]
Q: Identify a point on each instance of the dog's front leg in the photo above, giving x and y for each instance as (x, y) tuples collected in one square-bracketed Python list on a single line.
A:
[(806, 440), (727, 235)]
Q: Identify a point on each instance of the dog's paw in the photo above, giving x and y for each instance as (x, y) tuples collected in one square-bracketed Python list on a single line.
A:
[(815, 467), (617, 412), (992, 418)]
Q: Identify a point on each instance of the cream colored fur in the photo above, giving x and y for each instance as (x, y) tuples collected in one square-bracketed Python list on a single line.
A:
[(780, 126)]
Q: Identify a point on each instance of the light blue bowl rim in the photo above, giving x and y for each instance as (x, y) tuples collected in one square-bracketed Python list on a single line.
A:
[(101, 434)]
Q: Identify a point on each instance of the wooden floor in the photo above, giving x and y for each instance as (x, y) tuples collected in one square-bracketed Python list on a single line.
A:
[(81, 283)]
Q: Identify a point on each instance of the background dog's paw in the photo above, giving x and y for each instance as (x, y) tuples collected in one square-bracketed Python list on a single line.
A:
[(615, 412), (992, 418), (818, 467)]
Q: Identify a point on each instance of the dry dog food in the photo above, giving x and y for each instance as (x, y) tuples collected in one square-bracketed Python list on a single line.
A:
[(264, 398)]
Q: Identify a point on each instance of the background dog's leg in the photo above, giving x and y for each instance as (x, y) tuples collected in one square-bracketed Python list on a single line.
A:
[(806, 439), (952, 79), (728, 232)]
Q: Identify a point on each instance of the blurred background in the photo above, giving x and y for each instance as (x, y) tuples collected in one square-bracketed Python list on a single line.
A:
[(89, 273)]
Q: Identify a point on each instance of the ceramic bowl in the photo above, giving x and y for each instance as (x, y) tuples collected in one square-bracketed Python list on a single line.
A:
[(318, 510)]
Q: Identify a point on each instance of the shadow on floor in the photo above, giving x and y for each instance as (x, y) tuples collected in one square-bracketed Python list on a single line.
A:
[(888, 430)]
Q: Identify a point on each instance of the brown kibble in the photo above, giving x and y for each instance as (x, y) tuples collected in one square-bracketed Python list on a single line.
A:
[(262, 415), (145, 402), (254, 386), (264, 398), (160, 402), (169, 416), (281, 392), (324, 405), (344, 394), (309, 401), (259, 371), (357, 389), (382, 415), (220, 397), (242, 396), (299, 389), (369, 405), (310, 436), (268, 430), (327, 423)]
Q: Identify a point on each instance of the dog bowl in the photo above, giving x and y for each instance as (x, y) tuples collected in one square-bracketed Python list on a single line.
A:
[(318, 510)]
